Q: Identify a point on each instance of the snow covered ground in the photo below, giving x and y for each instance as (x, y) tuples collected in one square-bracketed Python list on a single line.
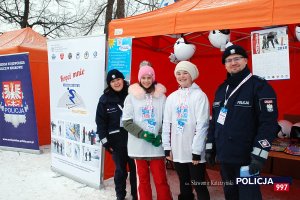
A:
[(26, 176)]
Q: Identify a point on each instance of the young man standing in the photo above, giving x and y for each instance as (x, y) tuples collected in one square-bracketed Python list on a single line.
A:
[(243, 126)]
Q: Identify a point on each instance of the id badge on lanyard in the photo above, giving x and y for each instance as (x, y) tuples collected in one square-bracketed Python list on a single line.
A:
[(182, 114), (222, 115), (224, 110), (180, 127)]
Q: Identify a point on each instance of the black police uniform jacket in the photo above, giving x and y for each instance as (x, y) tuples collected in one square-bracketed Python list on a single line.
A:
[(108, 117), (251, 121)]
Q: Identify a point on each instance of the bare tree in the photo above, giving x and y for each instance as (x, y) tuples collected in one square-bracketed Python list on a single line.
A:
[(52, 18), (108, 14), (127, 8), (120, 12), (61, 18)]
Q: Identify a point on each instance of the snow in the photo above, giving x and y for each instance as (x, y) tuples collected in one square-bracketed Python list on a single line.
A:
[(26, 176)]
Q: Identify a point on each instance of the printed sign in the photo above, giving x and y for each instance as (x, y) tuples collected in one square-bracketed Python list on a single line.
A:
[(17, 113), (76, 71)]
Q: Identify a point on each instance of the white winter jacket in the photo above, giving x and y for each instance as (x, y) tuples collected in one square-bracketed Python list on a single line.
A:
[(134, 108), (191, 138)]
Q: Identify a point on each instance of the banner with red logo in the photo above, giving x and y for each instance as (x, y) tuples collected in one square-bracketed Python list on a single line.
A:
[(76, 74), (270, 53), (17, 113)]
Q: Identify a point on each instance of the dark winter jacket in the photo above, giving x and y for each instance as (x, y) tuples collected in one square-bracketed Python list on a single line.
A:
[(251, 121), (108, 119)]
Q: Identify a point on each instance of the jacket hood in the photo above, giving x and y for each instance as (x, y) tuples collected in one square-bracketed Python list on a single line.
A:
[(138, 92), (192, 87)]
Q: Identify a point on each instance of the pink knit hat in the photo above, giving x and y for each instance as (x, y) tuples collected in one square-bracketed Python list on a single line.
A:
[(146, 70)]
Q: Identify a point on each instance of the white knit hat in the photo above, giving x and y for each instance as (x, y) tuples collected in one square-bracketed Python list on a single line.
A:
[(189, 67)]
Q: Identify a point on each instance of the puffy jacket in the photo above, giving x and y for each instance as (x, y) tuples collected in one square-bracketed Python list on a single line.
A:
[(251, 121)]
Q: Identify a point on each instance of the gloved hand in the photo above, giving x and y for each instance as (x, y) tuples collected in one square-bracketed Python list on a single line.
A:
[(210, 157), (157, 141), (149, 137), (107, 147), (256, 165)]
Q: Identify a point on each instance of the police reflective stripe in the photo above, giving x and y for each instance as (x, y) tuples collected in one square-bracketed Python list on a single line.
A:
[(256, 151), (264, 154), (208, 146), (115, 131), (260, 152), (120, 107), (104, 140)]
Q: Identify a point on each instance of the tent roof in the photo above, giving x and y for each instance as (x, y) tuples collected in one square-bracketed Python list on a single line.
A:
[(203, 15), (25, 37)]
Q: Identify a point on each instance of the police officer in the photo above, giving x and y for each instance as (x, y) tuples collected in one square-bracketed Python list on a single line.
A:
[(243, 125), (112, 134)]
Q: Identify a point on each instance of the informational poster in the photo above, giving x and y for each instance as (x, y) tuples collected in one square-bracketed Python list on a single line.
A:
[(76, 73), (119, 55), (17, 113), (270, 53)]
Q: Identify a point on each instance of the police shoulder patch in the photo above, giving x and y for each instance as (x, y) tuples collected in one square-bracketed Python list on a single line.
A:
[(269, 104), (264, 143)]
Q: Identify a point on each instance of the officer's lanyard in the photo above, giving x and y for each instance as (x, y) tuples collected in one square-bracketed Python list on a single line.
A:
[(235, 89), (149, 104), (183, 97)]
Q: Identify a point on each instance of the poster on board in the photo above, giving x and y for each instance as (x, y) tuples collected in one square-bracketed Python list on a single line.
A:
[(76, 73), (119, 55), (17, 112), (270, 53)]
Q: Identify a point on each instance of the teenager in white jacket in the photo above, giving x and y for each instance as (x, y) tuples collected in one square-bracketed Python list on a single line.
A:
[(142, 118), (185, 126)]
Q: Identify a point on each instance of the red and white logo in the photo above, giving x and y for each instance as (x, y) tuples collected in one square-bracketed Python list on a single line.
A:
[(12, 94), (12, 103)]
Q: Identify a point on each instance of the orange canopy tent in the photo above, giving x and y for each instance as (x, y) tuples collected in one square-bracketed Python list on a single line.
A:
[(27, 40)]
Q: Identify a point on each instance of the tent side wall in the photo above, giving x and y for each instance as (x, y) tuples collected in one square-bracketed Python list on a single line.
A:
[(40, 85)]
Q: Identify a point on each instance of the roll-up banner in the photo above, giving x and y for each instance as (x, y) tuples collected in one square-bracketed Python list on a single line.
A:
[(76, 74), (18, 129)]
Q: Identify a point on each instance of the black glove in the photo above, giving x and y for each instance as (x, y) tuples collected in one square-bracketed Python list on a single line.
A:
[(107, 147), (196, 157), (167, 153), (210, 157), (256, 165)]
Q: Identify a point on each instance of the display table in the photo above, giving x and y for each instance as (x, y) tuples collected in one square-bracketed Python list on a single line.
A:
[(283, 164), (275, 154)]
